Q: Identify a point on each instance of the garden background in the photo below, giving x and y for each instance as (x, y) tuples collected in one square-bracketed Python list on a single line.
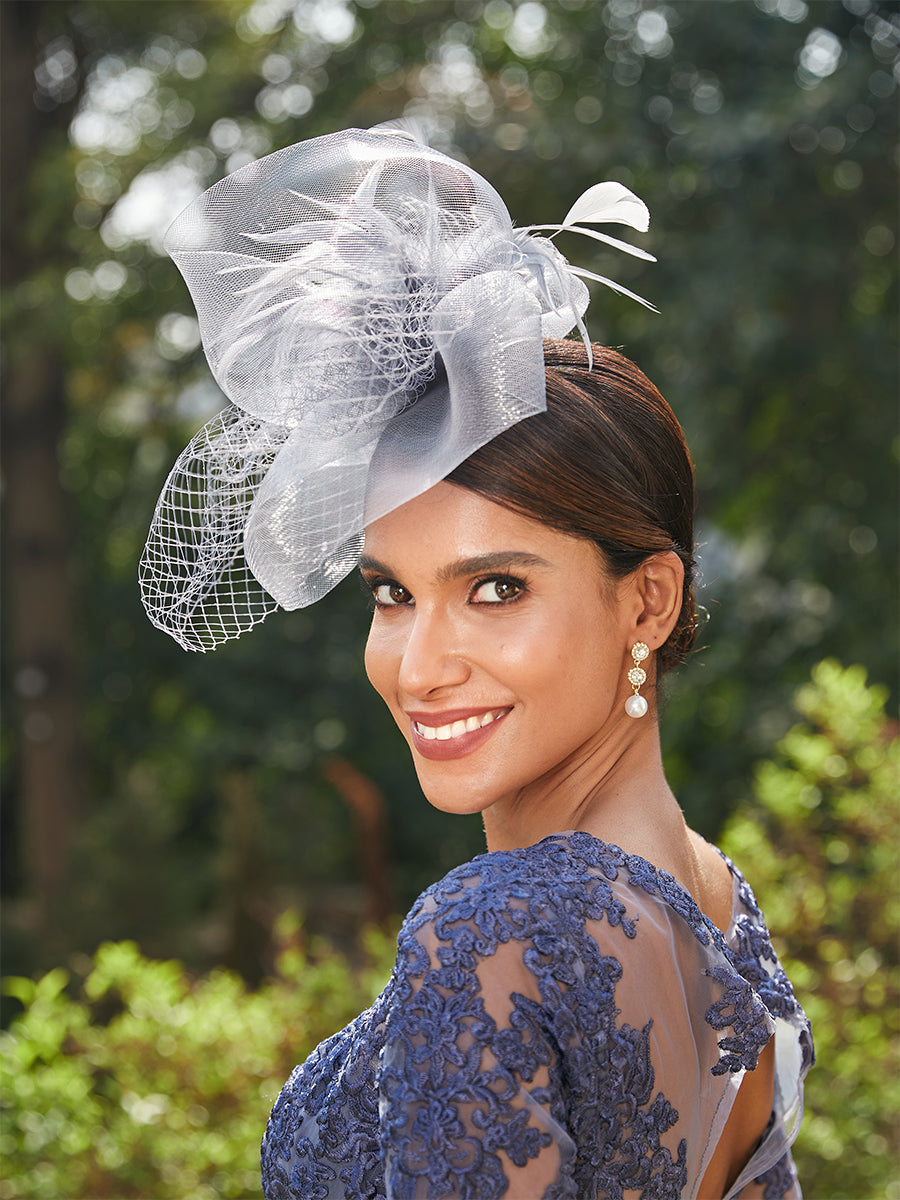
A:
[(244, 816)]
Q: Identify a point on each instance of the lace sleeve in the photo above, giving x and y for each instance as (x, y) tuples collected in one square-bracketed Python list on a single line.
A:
[(470, 1090)]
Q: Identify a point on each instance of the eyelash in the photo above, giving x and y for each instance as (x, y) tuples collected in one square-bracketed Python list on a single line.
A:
[(373, 585)]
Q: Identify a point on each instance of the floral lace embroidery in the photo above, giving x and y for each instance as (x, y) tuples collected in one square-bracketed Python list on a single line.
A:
[(741, 1011), (778, 1180), (445, 1079), (443, 1039), (756, 961)]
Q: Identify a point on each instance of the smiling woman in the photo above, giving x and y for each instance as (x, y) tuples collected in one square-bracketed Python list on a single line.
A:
[(592, 1008)]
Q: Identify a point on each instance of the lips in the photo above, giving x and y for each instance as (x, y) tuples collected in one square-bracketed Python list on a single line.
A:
[(455, 733)]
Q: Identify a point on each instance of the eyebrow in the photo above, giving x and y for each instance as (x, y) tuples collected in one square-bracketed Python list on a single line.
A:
[(500, 560)]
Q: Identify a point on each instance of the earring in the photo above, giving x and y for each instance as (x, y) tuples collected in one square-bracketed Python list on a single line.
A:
[(636, 705)]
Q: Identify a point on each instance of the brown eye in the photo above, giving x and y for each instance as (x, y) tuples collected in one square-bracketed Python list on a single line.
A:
[(497, 591), (389, 595)]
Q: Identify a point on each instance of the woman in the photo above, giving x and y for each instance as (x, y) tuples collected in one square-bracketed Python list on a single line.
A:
[(592, 1008)]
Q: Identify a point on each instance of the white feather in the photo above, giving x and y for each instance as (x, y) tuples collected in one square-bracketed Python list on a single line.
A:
[(616, 287), (609, 202), (600, 237)]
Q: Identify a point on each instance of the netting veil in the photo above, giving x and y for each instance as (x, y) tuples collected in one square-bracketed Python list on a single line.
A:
[(373, 318)]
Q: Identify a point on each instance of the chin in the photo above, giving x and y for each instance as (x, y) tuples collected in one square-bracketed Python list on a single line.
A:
[(460, 796)]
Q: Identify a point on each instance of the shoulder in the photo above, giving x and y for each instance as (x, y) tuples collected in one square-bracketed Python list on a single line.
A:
[(563, 876), (511, 932), (556, 885), (754, 955)]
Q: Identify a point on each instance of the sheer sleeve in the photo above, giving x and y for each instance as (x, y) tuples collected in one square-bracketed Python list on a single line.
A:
[(470, 1082)]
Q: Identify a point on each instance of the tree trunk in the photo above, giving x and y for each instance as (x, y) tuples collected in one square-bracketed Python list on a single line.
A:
[(39, 627), (366, 803), (245, 876)]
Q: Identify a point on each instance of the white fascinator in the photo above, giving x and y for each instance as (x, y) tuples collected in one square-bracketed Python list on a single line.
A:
[(373, 318)]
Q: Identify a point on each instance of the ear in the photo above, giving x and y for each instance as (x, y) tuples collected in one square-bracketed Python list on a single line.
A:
[(659, 584)]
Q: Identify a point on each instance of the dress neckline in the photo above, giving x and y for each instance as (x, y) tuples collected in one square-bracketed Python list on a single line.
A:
[(660, 883)]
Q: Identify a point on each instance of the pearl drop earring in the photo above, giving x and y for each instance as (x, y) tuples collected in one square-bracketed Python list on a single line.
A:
[(636, 705)]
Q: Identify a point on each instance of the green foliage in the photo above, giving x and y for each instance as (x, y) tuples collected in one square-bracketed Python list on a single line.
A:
[(148, 1083), (820, 844)]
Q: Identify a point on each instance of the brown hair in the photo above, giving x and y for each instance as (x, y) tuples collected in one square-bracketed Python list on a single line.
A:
[(607, 462)]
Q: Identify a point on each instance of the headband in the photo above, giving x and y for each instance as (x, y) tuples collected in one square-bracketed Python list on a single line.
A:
[(373, 318)]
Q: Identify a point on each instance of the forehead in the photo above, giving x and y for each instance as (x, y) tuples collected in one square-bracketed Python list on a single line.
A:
[(449, 523)]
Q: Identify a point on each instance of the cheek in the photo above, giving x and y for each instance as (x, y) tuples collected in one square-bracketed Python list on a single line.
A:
[(374, 660), (382, 661), (546, 649), (571, 667)]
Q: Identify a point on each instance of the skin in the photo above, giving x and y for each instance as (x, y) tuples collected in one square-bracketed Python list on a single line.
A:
[(479, 609)]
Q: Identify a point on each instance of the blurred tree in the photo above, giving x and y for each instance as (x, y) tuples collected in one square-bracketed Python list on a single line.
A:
[(762, 136), (43, 657)]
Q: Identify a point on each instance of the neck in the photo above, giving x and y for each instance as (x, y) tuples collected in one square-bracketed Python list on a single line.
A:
[(614, 789)]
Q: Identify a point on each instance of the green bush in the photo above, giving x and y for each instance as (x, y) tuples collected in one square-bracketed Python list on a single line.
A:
[(820, 844), (146, 1083)]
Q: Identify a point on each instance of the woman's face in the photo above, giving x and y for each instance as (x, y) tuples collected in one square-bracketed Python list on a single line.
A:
[(498, 644)]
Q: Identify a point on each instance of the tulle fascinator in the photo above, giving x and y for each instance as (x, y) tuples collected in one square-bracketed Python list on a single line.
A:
[(373, 318)]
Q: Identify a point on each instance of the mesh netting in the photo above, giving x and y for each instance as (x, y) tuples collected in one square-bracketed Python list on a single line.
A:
[(373, 317)]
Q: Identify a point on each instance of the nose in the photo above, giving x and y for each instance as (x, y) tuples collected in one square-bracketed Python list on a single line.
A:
[(432, 658)]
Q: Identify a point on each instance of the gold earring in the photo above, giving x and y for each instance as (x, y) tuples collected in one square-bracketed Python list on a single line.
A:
[(636, 705)]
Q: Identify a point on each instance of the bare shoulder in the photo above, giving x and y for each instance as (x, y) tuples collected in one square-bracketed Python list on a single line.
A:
[(714, 886)]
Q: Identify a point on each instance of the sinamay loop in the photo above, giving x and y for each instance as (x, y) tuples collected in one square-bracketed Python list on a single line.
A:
[(373, 318)]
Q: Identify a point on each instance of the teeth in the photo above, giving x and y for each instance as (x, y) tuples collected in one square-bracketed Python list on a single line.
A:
[(443, 733)]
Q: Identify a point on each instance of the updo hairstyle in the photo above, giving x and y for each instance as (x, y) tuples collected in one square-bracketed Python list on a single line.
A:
[(607, 462)]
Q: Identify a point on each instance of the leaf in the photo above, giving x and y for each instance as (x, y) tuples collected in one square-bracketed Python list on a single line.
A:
[(610, 202)]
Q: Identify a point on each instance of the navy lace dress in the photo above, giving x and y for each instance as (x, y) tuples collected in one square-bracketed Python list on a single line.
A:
[(561, 1021)]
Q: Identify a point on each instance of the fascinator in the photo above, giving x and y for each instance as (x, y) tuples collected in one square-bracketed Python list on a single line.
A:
[(373, 318)]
